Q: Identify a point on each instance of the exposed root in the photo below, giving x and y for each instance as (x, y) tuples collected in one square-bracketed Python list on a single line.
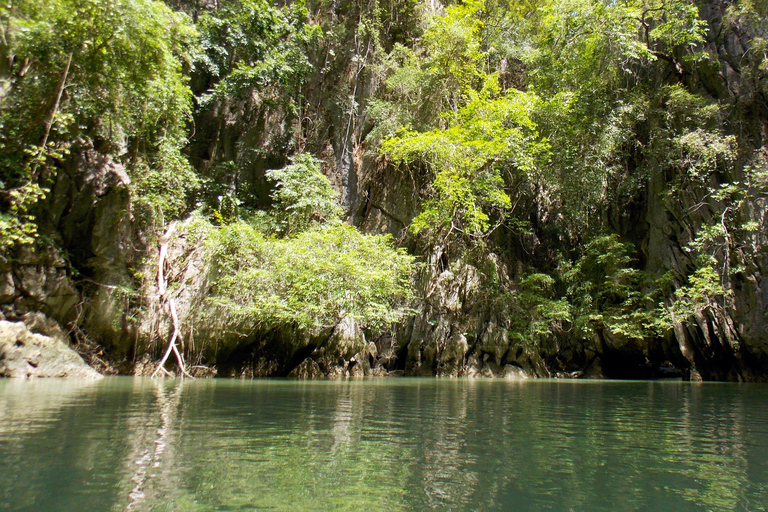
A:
[(162, 287), (88, 349)]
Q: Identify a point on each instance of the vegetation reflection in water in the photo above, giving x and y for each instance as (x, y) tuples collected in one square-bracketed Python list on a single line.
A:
[(382, 444)]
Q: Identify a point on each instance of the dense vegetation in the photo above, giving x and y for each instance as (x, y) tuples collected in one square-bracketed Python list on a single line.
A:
[(93, 74), (591, 158), (607, 96), (317, 273)]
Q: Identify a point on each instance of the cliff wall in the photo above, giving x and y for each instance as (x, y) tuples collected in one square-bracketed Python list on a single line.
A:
[(98, 277)]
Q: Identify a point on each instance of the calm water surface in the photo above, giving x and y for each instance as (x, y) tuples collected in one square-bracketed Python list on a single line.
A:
[(386, 444)]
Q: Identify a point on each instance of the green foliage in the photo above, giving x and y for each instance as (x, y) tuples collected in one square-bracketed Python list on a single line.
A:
[(314, 279), (125, 78), (434, 77), (600, 69), (489, 141), (252, 62), (667, 25), (687, 136), (591, 46), (318, 273), (540, 313), (581, 46), (162, 184), (253, 45), (599, 292), (751, 16), (17, 226), (581, 57), (603, 108), (105, 73), (724, 247), (303, 196), (704, 291), (608, 293)]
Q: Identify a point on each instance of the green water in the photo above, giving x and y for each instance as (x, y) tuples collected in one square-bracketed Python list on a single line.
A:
[(385, 444)]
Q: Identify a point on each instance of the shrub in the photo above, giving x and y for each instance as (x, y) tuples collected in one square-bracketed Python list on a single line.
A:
[(311, 280)]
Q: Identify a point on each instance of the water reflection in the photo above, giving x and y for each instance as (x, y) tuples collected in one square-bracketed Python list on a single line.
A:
[(29, 405), (151, 432), (384, 444)]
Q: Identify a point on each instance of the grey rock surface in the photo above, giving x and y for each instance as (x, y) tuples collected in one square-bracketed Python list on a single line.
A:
[(25, 353)]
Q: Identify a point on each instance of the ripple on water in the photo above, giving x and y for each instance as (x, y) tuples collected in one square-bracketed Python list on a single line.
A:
[(383, 444)]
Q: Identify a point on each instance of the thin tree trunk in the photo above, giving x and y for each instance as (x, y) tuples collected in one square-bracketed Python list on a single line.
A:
[(49, 123)]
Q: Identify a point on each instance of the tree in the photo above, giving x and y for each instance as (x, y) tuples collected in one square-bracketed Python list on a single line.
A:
[(252, 46), (489, 143), (90, 72), (303, 196), (321, 270)]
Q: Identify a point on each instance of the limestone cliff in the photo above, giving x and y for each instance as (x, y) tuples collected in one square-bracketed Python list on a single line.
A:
[(98, 276)]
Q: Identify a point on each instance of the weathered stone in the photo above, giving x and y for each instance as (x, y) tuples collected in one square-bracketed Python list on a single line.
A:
[(7, 288), (336, 372), (145, 366), (390, 199), (364, 362), (386, 349), (512, 372), (24, 353), (20, 306), (451, 360), (347, 339), (355, 370), (40, 282), (308, 369), (473, 367), (486, 371), (495, 341), (593, 370)]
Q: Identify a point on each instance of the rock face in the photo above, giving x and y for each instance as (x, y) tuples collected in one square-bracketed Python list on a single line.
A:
[(458, 332), (76, 276), (37, 281), (454, 332), (26, 354)]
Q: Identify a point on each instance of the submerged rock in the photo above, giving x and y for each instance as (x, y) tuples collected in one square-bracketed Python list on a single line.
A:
[(25, 353)]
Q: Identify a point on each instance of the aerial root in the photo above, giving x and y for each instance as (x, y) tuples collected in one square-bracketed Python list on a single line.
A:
[(162, 287)]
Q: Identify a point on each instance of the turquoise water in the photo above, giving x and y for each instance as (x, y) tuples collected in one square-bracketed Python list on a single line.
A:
[(383, 444)]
